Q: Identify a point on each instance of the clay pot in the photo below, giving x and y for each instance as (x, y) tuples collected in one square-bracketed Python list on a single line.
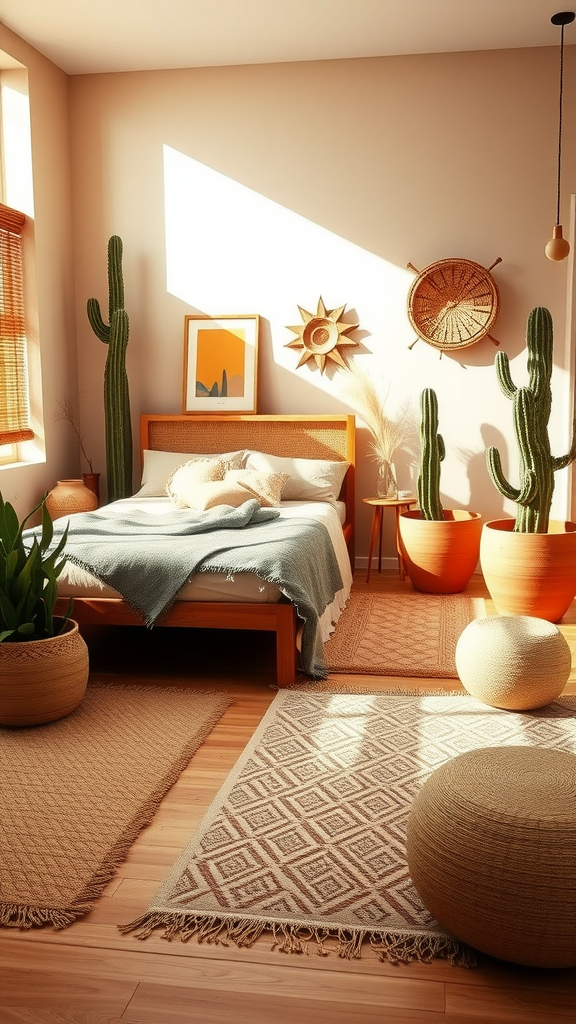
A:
[(70, 496), (530, 573), (92, 482), (42, 680), (440, 556)]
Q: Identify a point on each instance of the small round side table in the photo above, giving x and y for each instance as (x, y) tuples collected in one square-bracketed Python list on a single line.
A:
[(378, 505)]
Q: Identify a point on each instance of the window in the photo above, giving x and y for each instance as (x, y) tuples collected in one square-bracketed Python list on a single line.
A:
[(21, 427), (14, 406)]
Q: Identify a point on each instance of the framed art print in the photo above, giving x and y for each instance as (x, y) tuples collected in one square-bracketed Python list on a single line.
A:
[(220, 364)]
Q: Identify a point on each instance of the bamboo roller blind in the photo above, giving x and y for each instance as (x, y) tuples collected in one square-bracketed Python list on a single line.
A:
[(14, 407)]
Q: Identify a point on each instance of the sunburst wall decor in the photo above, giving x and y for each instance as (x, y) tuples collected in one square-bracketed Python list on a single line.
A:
[(321, 335)]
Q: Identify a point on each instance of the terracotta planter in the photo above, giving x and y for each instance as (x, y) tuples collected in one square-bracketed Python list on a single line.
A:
[(440, 556), (92, 482), (70, 496), (530, 573), (42, 680)]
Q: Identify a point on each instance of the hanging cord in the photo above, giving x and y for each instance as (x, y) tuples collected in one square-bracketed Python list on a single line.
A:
[(560, 122)]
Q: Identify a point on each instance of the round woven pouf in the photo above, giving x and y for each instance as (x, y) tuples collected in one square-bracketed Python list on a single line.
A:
[(491, 850), (513, 661)]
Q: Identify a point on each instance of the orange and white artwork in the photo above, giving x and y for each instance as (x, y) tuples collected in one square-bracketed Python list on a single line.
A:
[(220, 364)]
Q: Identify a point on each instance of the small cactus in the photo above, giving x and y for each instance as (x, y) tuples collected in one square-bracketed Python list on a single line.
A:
[(432, 454), (117, 422), (531, 411)]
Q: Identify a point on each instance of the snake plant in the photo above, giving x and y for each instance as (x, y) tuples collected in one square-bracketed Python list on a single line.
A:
[(28, 577)]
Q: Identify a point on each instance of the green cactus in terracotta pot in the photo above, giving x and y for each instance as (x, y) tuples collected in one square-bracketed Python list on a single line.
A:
[(118, 429), (531, 411), (433, 452), (439, 547)]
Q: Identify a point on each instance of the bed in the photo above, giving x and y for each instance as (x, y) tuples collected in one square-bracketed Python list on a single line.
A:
[(327, 438)]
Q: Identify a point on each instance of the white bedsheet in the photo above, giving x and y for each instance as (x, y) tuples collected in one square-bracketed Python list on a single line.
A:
[(242, 587)]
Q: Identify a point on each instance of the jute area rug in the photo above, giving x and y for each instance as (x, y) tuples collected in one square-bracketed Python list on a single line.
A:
[(75, 793), (306, 840), (401, 634)]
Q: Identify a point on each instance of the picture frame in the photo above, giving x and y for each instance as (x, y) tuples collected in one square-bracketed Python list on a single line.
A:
[(220, 364)]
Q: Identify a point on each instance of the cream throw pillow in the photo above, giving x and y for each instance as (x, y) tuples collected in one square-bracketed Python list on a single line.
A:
[(183, 483), (158, 467), (267, 487), (309, 479), (214, 492)]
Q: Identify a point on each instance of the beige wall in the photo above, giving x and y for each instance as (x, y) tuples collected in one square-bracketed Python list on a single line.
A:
[(257, 189), (53, 287)]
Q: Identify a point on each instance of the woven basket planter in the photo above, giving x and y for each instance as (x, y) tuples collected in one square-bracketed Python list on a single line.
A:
[(440, 556), (530, 573), (42, 680)]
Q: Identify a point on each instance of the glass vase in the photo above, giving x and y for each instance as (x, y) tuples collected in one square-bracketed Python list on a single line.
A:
[(386, 486)]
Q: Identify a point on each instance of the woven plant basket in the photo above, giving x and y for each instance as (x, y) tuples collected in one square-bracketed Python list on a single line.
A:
[(42, 680)]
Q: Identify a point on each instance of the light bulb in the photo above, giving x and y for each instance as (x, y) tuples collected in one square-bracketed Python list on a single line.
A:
[(557, 248)]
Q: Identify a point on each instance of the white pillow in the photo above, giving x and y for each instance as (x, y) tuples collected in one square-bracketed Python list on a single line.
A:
[(308, 479), (267, 487), (159, 466), (212, 492), (187, 477)]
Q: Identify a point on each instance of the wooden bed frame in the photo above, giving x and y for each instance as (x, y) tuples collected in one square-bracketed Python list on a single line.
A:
[(329, 437)]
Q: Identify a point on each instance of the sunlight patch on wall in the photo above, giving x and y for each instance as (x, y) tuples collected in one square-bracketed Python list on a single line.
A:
[(232, 250)]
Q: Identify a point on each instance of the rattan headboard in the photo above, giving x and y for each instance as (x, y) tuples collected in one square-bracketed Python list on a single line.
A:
[(307, 437)]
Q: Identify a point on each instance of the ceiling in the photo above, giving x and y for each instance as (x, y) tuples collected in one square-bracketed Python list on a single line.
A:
[(84, 37)]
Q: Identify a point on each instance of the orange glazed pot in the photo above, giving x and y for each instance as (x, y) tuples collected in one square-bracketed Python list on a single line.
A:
[(440, 555), (530, 573)]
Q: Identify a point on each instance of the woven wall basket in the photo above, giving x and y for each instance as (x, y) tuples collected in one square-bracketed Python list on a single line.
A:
[(42, 680), (453, 303)]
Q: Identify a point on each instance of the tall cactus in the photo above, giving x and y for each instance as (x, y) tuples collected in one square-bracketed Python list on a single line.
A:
[(531, 412), (432, 454), (118, 429)]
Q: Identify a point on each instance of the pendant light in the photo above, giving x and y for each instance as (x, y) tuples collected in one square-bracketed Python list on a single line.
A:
[(558, 247)]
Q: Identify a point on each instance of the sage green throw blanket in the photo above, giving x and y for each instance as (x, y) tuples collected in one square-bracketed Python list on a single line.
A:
[(149, 558)]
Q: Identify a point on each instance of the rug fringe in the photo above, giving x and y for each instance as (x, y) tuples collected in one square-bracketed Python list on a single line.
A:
[(15, 915), (393, 947)]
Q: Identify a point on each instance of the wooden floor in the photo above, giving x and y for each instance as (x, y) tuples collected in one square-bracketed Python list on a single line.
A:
[(90, 974)]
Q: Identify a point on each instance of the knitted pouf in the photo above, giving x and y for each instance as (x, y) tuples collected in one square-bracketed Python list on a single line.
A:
[(513, 661), (491, 850)]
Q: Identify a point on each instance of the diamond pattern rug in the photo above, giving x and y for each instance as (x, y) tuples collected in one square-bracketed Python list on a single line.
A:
[(401, 634), (306, 839)]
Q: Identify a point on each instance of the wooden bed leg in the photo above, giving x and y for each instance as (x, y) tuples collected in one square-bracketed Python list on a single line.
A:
[(286, 646)]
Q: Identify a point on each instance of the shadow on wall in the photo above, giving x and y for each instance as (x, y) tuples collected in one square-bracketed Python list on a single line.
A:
[(483, 494)]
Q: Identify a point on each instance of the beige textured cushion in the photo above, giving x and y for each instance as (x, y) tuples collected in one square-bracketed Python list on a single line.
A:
[(491, 850), (159, 466), (516, 662), (267, 487), (182, 485), (216, 492), (309, 479)]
